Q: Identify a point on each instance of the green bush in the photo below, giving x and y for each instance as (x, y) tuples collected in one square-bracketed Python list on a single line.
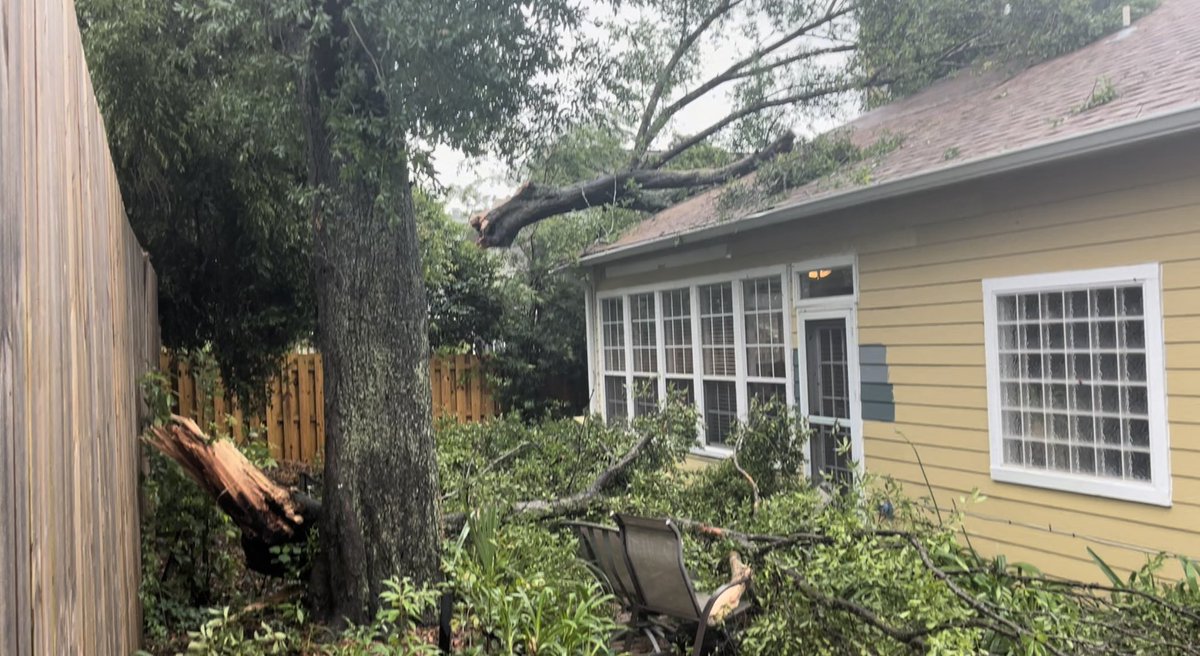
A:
[(869, 570)]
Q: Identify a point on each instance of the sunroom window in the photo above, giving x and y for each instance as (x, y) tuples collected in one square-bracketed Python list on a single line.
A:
[(719, 349), (766, 355), (720, 344), (645, 353), (677, 342), (1075, 382), (612, 329)]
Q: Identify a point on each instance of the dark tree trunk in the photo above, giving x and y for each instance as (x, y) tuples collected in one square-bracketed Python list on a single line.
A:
[(380, 508)]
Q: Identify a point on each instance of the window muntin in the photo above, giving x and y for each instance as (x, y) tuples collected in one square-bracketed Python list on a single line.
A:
[(616, 407), (677, 331), (692, 341), (1075, 382), (717, 340), (644, 334), (612, 328), (763, 316), (720, 410)]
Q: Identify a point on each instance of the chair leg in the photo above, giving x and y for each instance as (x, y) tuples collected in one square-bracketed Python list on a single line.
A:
[(698, 646), (653, 641)]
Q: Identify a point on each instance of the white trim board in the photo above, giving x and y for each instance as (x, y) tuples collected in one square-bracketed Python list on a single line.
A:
[(1157, 491)]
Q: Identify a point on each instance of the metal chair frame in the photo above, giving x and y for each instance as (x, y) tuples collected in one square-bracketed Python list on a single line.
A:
[(669, 531)]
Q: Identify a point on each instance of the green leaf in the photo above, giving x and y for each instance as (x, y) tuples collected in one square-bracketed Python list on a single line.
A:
[(1108, 571)]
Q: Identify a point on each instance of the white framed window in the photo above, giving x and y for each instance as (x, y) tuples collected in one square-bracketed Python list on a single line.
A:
[(766, 351), (612, 335), (1076, 382), (644, 345), (678, 359), (696, 339), (718, 343)]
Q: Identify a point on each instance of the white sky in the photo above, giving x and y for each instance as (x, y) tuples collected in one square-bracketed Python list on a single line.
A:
[(475, 184)]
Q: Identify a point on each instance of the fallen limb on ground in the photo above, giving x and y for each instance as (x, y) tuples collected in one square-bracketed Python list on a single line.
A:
[(268, 514), (729, 599)]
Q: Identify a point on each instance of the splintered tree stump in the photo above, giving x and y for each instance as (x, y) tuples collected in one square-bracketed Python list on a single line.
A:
[(268, 514)]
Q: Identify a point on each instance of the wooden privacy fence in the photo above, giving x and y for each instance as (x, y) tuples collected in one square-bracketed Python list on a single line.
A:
[(78, 327), (294, 422)]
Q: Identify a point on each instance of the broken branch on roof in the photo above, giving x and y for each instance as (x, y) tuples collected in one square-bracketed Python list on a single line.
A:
[(533, 202)]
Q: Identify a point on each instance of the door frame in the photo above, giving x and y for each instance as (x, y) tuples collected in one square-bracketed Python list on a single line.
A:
[(834, 307)]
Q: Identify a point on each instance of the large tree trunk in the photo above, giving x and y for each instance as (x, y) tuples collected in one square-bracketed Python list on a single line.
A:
[(380, 507)]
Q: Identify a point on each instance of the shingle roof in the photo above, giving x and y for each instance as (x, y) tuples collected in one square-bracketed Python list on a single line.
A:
[(1153, 65)]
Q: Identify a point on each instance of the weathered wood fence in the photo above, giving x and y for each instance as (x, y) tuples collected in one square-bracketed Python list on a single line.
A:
[(78, 326), (294, 421)]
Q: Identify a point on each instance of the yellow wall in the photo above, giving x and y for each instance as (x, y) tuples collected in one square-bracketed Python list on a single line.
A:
[(921, 263)]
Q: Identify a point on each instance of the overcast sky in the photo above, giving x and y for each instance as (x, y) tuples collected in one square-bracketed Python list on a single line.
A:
[(477, 184)]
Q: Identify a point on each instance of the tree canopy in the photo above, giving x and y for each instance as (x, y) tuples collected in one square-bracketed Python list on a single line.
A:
[(790, 63)]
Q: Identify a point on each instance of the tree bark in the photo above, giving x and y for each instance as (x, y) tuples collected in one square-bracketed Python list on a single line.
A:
[(498, 227), (380, 508)]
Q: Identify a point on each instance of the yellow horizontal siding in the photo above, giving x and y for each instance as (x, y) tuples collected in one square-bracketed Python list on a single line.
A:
[(1044, 259), (922, 299), (922, 260)]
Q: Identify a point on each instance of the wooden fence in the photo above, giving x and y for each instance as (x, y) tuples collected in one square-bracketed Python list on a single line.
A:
[(78, 326), (294, 425)]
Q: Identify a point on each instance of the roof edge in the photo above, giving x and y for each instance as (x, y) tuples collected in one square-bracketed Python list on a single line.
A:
[(1087, 143)]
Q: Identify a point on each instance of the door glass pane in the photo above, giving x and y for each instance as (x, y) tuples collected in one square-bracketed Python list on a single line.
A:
[(828, 369), (831, 455)]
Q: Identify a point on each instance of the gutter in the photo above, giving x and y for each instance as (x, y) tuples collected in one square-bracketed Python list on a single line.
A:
[(1123, 134)]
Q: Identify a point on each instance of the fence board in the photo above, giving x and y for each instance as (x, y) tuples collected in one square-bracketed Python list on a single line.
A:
[(78, 326), (295, 413)]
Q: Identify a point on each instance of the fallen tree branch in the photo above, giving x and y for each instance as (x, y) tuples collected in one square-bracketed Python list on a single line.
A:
[(268, 514), (913, 638), (574, 502), (746, 475), (533, 202)]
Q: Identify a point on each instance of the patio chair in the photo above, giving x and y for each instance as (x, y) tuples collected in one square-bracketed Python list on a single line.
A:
[(604, 552), (655, 551)]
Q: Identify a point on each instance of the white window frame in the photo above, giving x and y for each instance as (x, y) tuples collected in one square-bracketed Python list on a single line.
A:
[(693, 284), (832, 307), (831, 262), (1157, 491)]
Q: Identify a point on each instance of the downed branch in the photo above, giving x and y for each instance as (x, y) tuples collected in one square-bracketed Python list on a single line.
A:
[(914, 638), (580, 500), (533, 202), (268, 514)]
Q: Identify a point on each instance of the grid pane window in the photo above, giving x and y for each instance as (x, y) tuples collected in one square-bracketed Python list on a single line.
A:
[(763, 310), (1072, 376), (645, 333), (831, 455), (683, 389), (615, 403), (677, 330), (716, 330), (720, 410), (645, 396), (612, 328)]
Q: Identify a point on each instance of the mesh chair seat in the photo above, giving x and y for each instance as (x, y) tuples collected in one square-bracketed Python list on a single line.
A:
[(654, 548)]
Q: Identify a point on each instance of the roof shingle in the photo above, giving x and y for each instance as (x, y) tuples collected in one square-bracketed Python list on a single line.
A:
[(1154, 67)]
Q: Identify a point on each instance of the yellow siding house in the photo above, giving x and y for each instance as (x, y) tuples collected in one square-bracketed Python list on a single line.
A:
[(1014, 289)]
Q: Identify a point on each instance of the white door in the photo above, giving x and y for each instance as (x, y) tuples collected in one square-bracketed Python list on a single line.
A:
[(828, 391)]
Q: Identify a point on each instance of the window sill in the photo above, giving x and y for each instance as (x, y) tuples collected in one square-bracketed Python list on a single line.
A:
[(711, 452), (1150, 493)]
